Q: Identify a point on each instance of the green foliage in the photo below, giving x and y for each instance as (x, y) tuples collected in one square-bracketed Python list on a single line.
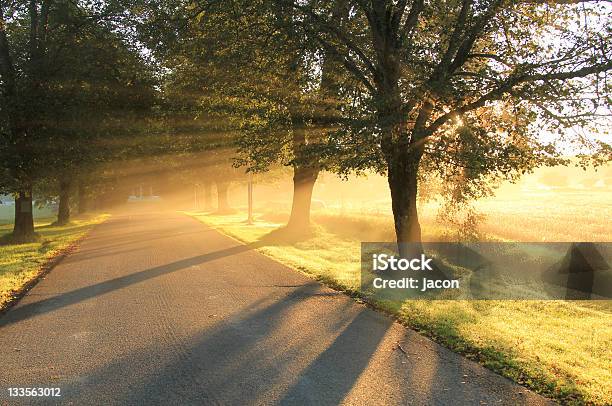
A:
[(475, 83), (81, 85), (244, 64), (456, 92)]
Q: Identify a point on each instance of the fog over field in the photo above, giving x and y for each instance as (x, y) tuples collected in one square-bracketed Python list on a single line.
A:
[(551, 204)]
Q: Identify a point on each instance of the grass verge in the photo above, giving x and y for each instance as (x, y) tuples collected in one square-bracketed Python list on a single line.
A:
[(21, 264), (560, 349)]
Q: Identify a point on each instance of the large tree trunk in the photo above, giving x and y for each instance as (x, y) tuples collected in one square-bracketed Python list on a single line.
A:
[(23, 230), (222, 197), (304, 175), (403, 155), (304, 179), (63, 212), (83, 198), (403, 183)]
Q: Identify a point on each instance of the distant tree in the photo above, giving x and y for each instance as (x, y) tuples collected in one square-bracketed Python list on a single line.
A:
[(205, 139)]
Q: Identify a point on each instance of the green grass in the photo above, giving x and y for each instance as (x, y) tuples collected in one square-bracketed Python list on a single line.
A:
[(558, 348), (21, 263)]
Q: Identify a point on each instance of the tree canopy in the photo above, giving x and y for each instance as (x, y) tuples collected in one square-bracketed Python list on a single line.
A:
[(463, 93)]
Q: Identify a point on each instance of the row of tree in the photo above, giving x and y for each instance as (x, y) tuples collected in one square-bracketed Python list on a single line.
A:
[(70, 82), (460, 91), (453, 91)]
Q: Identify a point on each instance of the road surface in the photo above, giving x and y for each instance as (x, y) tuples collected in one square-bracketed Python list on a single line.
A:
[(157, 308)]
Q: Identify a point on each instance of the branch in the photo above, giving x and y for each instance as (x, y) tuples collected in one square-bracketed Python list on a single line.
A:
[(396, 18), (476, 75), (412, 19), (334, 30), (453, 43), (488, 56), (468, 42), (510, 84), (348, 63), (586, 71)]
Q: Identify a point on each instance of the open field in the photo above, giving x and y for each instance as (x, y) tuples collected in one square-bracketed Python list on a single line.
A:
[(547, 216), (552, 204), (7, 213), (559, 348), (21, 263)]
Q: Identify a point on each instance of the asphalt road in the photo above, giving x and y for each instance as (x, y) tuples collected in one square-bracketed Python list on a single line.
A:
[(157, 308)]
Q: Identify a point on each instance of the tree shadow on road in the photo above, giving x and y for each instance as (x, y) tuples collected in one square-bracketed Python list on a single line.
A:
[(277, 350), (29, 310), (284, 349)]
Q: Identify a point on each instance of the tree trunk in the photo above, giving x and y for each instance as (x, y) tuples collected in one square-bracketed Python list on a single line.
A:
[(304, 179), (250, 199), (63, 212), (23, 230), (403, 183), (403, 156), (222, 197), (207, 196), (83, 198)]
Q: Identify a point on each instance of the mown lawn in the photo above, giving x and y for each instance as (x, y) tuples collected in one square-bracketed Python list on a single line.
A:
[(561, 349), (21, 263)]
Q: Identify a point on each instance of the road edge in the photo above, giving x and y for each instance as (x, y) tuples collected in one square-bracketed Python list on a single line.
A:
[(44, 269)]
